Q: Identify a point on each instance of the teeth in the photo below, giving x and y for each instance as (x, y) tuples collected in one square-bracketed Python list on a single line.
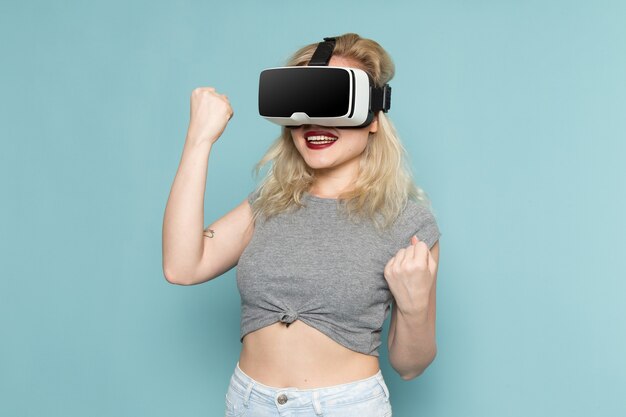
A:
[(321, 139)]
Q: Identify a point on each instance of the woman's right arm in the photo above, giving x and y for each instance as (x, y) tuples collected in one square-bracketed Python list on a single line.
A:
[(190, 257)]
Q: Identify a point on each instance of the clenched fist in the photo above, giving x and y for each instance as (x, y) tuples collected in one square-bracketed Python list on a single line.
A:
[(410, 275), (209, 115)]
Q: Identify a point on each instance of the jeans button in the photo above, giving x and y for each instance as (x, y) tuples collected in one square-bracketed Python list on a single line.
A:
[(282, 399)]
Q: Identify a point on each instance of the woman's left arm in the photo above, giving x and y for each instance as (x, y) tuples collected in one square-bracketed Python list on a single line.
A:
[(412, 278)]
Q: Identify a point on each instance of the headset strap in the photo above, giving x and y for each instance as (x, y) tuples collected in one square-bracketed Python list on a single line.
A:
[(380, 98), (322, 54)]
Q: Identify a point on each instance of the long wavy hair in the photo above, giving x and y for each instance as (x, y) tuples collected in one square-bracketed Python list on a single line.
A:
[(384, 183)]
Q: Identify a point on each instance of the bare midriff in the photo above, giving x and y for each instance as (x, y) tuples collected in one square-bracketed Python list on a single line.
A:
[(301, 356)]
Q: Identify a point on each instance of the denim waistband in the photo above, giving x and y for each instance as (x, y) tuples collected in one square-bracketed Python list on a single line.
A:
[(334, 395)]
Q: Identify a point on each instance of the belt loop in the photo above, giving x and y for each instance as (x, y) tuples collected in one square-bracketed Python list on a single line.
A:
[(246, 397), (381, 381), (316, 403)]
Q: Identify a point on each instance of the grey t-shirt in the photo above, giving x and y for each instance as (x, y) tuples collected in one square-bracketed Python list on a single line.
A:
[(315, 265)]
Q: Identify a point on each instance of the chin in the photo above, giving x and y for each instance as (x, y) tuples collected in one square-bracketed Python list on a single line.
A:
[(319, 165), (316, 163)]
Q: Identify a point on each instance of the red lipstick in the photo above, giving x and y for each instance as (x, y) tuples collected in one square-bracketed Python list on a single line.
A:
[(319, 133), (319, 143)]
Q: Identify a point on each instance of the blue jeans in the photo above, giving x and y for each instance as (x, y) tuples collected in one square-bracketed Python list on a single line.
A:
[(367, 397)]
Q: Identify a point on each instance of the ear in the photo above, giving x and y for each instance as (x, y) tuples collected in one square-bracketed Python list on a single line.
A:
[(373, 127)]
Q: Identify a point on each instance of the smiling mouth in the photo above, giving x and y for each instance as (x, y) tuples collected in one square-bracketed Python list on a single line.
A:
[(318, 140), (319, 137)]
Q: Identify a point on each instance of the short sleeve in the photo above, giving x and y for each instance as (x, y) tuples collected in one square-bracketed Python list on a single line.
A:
[(417, 220), (425, 226), (253, 196)]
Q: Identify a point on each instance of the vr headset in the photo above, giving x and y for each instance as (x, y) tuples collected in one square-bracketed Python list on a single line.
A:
[(321, 95)]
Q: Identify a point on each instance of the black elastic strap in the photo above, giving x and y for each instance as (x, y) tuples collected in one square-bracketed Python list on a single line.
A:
[(322, 54), (380, 98)]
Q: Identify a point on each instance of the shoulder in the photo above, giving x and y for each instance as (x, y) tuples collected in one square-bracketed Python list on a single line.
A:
[(417, 218), (253, 195)]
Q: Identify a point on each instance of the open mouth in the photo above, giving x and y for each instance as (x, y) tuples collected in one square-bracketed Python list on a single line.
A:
[(315, 138), (320, 139)]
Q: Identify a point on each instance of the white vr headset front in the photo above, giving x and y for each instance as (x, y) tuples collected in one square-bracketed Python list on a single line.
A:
[(319, 94)]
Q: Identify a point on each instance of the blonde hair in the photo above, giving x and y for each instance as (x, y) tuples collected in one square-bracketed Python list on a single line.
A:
[(384, 183)]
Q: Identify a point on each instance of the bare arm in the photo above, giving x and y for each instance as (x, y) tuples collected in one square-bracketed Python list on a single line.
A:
[(189, 257), (411, 341)]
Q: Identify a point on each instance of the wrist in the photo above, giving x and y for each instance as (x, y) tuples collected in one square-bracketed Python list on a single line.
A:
[(198, 144), (416, 312)]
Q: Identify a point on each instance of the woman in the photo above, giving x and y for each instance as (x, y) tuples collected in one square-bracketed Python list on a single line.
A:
[(334, 236)]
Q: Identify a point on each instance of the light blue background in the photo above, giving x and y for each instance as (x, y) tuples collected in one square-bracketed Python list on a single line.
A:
[(514, 115)]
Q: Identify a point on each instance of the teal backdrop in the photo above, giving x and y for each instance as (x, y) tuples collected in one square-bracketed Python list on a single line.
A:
[(514, 117)]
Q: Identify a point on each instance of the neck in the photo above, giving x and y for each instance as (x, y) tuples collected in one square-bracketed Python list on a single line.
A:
[(331, 186)]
